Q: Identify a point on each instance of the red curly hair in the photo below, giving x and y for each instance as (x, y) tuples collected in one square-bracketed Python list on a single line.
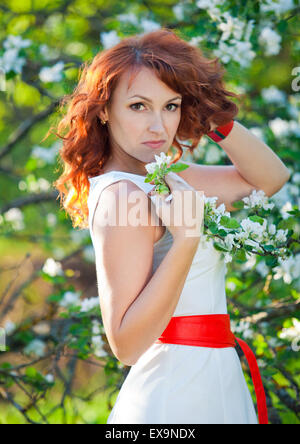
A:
[(178, 64)]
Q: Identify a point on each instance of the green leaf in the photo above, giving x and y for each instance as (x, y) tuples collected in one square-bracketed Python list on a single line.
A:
[(5, 365), (213, 227), (229, 222), (271, 261), (256, 218), (295, 212), (54, 298), (240, 255), (220, 247), (282, 26), (269, 247), (238, 204), (176, 167), (222, 233), (31, 372)]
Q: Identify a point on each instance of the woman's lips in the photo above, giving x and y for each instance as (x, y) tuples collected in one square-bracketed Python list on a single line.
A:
[(154, 145)]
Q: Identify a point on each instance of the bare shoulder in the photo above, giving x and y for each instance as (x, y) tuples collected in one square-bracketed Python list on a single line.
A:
[(124, 205), (124, 257), (222, 181)]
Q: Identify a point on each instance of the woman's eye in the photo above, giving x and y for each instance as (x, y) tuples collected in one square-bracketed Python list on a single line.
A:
[(136, 104), (170, 104), (174, 104)]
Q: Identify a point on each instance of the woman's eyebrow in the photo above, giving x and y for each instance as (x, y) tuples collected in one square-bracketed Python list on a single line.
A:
[(149, 100)]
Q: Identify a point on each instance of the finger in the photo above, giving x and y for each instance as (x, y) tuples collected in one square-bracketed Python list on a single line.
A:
[(151, 192), (170, 180), (169, 198), (174, 180)]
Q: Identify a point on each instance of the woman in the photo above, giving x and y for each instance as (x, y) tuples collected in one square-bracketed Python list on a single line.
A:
[(150, 88)]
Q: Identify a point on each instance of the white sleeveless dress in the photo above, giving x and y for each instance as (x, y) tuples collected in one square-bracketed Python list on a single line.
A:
[(175, 383)]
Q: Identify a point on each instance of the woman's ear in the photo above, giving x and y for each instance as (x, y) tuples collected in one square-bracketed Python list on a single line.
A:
[(103, 114)]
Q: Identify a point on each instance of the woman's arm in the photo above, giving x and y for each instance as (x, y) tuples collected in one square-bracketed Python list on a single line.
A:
[(255, 161), (150, 313)]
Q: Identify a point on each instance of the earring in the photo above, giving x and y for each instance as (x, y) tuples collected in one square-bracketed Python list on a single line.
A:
[(103, 122)]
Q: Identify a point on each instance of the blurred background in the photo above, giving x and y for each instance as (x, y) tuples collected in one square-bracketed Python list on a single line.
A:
[(55, 363)]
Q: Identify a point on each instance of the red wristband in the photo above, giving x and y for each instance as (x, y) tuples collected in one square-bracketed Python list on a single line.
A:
[(221, 132)]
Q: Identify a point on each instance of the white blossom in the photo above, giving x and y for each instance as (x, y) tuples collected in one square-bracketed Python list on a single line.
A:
[(249, 29), (213, 154), (89, 253), (162, 159), (254, 228), (210, 200), (10, 61), (262, 268), (49, 377), (150, 167), (227, 257), (229, 241), (282, 196), (278, 7), (279, 127), (296, 178), (195, 41), (284, 210), (257, 199), (273, 342), (288, 269), (9, 327), (48, 155), (51, 219), (231, 26), (284, 128), (89, 303), (294, 128), (149, 25), (243, 328), (48, 53), (294, 189), (231, 285), (270, 40), (70, 298), (15, 217), (130, 18), (291, 333), (178, 11), (211, 7), (35, 347), (16, 41), (53, 73), (273, 95), (98, 343), (109, 39), (238, 51), (96, 328), (281, 235), (52, 268)]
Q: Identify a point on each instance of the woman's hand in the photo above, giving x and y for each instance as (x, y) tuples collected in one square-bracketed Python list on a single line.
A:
[(213, 126), (183, 214)]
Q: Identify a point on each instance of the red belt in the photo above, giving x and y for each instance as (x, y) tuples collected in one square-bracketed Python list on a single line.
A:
[(214, 331)]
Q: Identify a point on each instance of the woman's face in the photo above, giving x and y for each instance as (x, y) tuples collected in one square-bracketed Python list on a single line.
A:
[(135, 120)]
